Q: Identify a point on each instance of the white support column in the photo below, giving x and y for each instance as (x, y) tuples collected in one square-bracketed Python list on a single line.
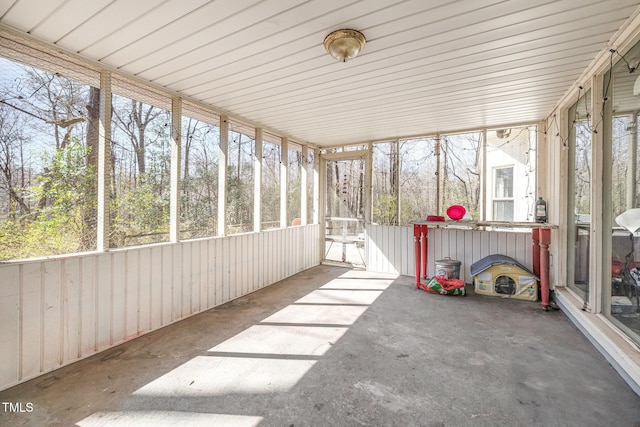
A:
[(284, 181), (438, 176), (559, 249), (257, 179), (316, 186), (104, 163), (368, 179), (485, 181), (176, 155), (632, 162), (396, 161), (304, 184), (600, 238), (322, 197), (603, 206), (223, 152)]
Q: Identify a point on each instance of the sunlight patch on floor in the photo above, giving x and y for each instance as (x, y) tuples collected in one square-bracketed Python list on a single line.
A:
[(281, 339), (355, 284), (329, 296), (218, 376), (167, 419), (359, 274), (318, 314), (269, 357)]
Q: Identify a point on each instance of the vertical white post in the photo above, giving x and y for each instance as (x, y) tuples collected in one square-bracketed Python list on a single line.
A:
[(600, 232), (304, 184), (257, 179), (438, 176), (485, 181), (316, 186), (396, 161), (222, 174), (284, 181), (563, 184), (104, 163), (176, 155), (368, 179), (322, 197), (632, 162)]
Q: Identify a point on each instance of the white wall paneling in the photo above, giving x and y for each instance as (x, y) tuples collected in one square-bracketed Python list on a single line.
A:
[(57, 311), (390, 249)]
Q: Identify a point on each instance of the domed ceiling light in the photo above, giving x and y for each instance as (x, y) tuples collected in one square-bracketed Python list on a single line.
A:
[(344, 45)]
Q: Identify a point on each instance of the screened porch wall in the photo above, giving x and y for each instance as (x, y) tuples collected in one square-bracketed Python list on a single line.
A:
[(56, 311)]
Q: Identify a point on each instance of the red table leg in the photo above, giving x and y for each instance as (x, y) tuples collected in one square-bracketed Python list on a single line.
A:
[(425, 255), (535, 236), (416, 237), (545, 241)]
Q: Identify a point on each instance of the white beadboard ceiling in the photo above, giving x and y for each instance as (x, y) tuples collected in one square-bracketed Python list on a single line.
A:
[(428, 66)]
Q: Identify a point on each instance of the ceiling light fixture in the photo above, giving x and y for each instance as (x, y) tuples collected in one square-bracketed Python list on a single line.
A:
[(344, 45)]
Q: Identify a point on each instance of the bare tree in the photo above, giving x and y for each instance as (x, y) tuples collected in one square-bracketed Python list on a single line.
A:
[(133, 122)]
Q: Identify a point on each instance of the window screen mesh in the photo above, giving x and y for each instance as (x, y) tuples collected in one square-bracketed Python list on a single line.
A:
[(141, 166), (199, 175), (48, 161), (270, 183), (240, 174)]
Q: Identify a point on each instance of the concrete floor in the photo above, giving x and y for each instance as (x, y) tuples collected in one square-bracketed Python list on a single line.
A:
[(338, 347)]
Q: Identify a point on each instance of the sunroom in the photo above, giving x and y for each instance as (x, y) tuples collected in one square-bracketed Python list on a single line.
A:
[(159, 159)]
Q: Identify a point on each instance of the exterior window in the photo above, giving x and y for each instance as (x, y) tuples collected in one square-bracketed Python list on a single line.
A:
[(503, 194)]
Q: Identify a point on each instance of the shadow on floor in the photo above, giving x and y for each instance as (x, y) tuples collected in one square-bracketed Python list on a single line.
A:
[(337, 347)]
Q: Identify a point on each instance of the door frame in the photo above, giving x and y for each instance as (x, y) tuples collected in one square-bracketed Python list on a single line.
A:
[(365, 155)]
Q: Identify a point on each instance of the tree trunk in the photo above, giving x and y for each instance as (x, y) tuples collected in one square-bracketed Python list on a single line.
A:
[(141, 125), (93, 141)]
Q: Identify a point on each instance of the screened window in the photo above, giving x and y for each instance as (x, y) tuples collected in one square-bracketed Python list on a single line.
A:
[(384, 183), (460, 171), (436, 172), (199, 186), (418, 179), (311, 173), (270, 183), (510, 159), (240, 175), (296, 163), (624, 197), (579, 197), (141, 169), (48, 162)]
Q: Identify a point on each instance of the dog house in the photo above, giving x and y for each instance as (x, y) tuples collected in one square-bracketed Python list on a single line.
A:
[(500, 275)]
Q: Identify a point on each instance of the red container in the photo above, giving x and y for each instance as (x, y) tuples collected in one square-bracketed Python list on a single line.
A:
[(456, 212), (435, 218)]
